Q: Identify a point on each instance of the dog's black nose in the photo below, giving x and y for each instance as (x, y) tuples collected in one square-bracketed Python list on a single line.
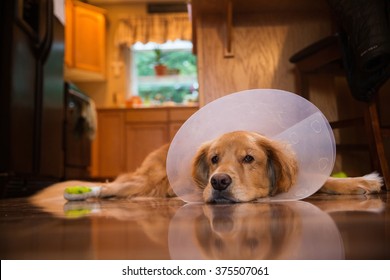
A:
[(220, 181)]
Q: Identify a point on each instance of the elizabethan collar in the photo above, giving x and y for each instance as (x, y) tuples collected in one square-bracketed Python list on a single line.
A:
[(276, 114)]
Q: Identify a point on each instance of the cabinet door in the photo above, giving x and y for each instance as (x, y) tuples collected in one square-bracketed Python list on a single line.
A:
[(89, 39), (85, 48), (173, 129), (69, 41), (111, 160), (177, 117), (141, 139)]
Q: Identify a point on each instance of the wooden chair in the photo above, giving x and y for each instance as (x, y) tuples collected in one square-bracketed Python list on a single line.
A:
[(325, 56)]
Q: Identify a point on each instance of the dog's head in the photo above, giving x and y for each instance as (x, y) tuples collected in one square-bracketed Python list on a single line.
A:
[(242, 166)]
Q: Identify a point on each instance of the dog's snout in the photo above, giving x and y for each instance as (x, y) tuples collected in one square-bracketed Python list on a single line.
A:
[(220, 181)]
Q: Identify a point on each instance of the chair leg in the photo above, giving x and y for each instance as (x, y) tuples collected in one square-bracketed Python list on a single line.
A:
[(377, 150)]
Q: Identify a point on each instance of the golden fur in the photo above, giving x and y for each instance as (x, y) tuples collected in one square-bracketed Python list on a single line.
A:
[(238, 166)]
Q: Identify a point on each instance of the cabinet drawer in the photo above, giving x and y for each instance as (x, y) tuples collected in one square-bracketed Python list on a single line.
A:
[(140, 116)]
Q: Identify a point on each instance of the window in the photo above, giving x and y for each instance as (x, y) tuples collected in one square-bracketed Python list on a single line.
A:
[(177, 83)]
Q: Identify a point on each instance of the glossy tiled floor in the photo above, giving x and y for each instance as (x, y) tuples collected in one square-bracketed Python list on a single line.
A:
[(322, 227)]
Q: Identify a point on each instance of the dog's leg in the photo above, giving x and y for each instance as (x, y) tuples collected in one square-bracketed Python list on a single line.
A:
[(149, 180), (126, 185), (367, 184)]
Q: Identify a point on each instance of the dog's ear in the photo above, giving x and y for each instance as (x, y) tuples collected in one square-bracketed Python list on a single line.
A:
[(282, 166), (200, 166)]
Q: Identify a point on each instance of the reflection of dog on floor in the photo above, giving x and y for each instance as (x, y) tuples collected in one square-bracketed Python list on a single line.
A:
[(238, 166), (247, 231), (275, 230)]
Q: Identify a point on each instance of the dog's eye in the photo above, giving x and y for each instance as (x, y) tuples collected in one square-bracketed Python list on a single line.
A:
[(214, 159), (248, 159)]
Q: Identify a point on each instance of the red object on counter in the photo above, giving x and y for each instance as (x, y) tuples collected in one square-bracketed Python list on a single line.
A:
[(133, 101)]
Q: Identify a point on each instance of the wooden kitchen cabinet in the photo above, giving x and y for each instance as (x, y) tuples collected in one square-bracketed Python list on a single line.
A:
[(146, 130), (110, 143), (85, 36), (126, 136), (177, 118), (141, 139)]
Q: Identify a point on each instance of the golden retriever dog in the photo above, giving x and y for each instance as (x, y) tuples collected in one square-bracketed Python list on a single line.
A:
[(239, 166)]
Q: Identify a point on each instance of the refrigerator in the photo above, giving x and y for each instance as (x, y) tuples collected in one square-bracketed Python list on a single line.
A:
[(31, 97)]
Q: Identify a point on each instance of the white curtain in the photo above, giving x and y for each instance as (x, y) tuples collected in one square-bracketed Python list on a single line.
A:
[(153, 28)]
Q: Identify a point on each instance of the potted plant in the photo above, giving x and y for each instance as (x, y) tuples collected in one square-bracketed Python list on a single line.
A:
[(159, 68)]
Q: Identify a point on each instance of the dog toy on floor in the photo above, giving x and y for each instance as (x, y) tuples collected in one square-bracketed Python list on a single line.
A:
[(81, 192), (340, 174)]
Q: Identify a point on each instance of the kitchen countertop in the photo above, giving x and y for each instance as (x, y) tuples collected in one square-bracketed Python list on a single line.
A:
[(145, 107)]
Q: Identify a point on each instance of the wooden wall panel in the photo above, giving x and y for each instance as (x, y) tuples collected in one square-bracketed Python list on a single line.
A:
[(262, 45)]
